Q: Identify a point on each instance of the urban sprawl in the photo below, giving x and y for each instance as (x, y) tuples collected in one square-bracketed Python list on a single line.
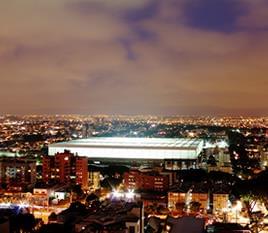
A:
[(133, 174)]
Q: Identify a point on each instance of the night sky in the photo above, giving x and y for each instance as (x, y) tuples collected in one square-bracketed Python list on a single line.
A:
[(183, 57)]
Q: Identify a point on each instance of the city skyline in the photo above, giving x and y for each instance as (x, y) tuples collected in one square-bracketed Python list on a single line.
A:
[(174, 57)]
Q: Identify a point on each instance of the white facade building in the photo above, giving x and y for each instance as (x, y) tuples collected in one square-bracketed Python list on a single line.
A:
[(132, 148)]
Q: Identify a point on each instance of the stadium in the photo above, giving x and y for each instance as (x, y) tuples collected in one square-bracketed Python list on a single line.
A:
[(181, 151)]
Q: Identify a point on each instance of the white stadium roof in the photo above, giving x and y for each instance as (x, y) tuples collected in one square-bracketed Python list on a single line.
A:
[(132, 148)]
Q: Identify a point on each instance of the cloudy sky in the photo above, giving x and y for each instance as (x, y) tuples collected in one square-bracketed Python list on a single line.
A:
[(185, 57)]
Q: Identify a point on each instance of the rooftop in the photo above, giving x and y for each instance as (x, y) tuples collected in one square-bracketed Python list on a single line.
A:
[(176, 143), (131, 148)]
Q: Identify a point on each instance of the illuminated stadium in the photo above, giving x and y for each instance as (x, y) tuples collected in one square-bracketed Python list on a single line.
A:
[(116, 149)]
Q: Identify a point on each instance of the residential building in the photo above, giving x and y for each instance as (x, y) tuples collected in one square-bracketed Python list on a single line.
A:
[(17, 172), (146, 181), (66, 168)]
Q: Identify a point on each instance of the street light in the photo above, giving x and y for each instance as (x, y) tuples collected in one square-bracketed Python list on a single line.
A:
[(116, 194), (225, 212), (130, 194), (237, 208)]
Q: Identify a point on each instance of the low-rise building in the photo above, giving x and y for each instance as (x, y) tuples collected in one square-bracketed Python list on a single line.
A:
[(94, 179), (227, 168), (111, 215), (118, 217), (146, 181), (220, 202), (189, 195)]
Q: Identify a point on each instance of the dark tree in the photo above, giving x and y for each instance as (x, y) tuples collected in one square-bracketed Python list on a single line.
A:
[(250, 192), (26, 222), (241, 162)]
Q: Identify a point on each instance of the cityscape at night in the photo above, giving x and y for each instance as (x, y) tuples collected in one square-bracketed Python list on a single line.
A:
[(134, 116), (78, 173)]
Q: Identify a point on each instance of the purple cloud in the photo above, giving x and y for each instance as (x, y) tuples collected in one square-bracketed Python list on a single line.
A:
[(214, 15)]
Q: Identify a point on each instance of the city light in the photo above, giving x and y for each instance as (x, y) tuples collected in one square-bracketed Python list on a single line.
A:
[(130, 194), (116, 194), (132, 148), (140, 171)]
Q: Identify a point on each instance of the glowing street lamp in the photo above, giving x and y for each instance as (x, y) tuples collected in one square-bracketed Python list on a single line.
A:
[(130, 194), (237, 209), (116, 194)]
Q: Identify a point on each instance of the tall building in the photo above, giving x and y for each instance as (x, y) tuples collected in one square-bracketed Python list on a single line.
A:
[(17, 173), (64, 165), (81, 171), (66, 168)]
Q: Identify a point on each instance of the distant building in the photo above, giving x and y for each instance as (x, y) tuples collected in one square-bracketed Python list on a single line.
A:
[(220, 202), (153, 199), (223, 158), (94, 179), (218, 197), (42, 193), (66, 168), (81, 171), (253, 150), (146, 181), (218, 157), (264, 159), (17, 173), (41, 196), (179, 196), (176, 153), (226, 169)]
